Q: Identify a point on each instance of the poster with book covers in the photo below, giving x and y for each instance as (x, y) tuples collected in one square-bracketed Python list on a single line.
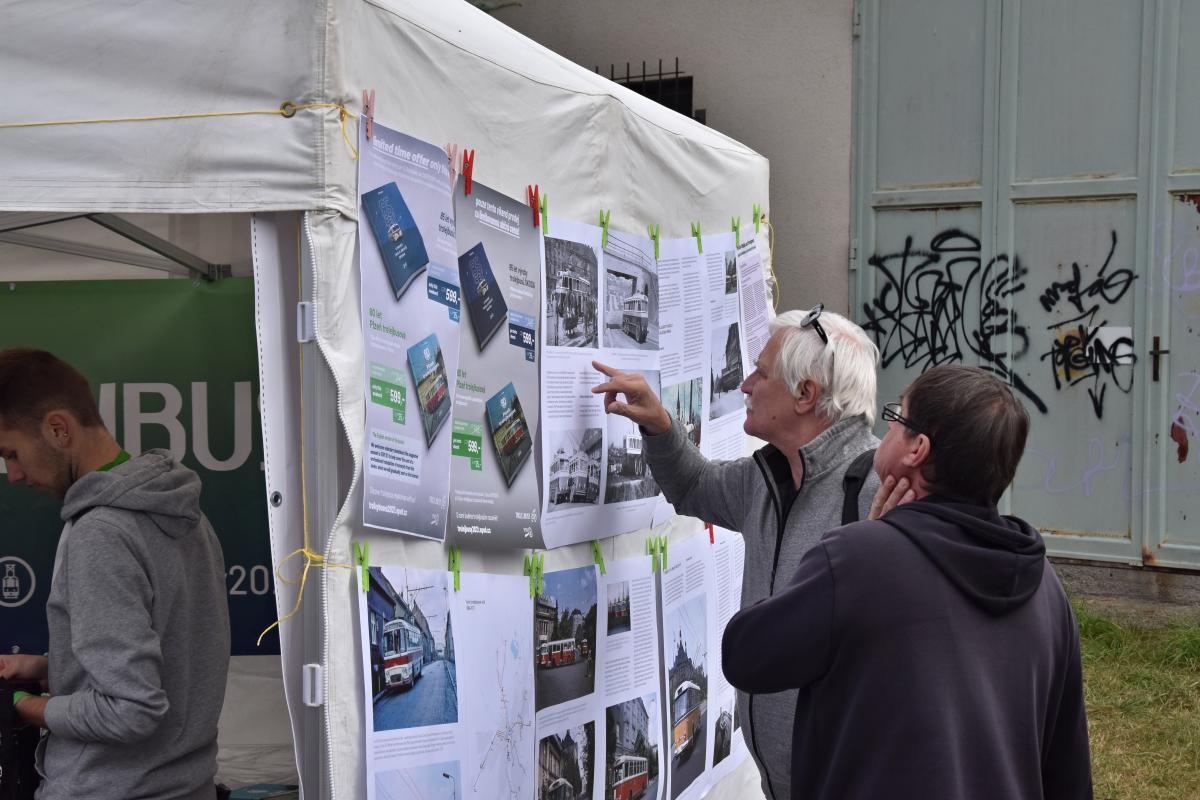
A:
[(494, 497), (599, 304), (410, 310)]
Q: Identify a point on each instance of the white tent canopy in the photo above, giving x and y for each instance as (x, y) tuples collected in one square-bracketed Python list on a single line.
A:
[(443, 72)]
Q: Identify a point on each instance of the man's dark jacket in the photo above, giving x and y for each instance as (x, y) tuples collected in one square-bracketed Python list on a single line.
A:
[(936, 657)]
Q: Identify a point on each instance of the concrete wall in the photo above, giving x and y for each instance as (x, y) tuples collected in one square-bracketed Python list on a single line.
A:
[(773, 74)]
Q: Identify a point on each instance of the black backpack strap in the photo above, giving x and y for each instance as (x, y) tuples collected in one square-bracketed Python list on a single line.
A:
[(852, 483)]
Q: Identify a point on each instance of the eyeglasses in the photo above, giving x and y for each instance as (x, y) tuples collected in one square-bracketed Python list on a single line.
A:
[(811, 320), (891, 413)]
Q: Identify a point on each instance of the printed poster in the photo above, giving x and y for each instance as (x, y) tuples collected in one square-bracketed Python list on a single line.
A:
[(687, 641), (724, 405), (729, 558), (494, 480), (450, 685), (599, 304), (414, 733), (568, 709), (410, 311)]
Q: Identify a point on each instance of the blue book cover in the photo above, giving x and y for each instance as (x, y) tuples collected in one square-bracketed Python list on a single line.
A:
[(510, 432), (485, 303), (433, 389), (400, 243)]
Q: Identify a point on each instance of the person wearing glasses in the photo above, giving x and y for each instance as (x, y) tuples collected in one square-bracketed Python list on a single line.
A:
[(934, 650), (811, 397)]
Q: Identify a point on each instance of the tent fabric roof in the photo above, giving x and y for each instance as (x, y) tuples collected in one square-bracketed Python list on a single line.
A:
[(442, 71)]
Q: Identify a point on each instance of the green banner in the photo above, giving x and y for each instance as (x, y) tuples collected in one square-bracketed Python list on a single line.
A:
[(172, 365)]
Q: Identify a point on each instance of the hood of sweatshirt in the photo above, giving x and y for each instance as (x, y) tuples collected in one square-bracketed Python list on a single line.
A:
[(995, 561), (153, 484)]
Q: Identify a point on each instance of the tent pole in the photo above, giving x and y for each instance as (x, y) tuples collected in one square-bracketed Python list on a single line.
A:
[(89, 251), (159, 245)]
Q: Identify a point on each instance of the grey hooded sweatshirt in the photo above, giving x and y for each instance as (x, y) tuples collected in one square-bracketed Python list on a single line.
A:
[(139, 639), (779, 523)]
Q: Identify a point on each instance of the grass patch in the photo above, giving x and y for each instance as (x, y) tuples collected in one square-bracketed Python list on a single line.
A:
[(1142, 687)]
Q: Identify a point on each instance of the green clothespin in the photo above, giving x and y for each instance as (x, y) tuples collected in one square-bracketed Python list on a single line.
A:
[(736, 222), (599, 556), (604, 217), (652, 550), (696, 233), (662, 549), (362, 559), (529, 573), (544, 204), (654, 231), (455, 563), (757, 218), (541, 570)]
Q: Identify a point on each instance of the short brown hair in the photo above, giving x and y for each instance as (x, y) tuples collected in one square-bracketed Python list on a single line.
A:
[(34, 383), (977, 427)]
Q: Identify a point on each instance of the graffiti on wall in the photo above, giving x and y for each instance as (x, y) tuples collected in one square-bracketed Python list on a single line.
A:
[(942, 304)]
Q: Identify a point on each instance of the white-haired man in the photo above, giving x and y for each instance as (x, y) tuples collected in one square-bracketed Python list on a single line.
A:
[(811, 397)]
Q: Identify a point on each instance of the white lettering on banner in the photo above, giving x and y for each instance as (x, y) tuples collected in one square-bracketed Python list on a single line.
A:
[(241, 427), (168, 417)]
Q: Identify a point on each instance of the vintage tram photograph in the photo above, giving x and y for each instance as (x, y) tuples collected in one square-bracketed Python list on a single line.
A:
[(730, 271), (628, 477), (618, 608), (564, 636), (631, 749), (410, 644), (575, 467), (725, 349), (684, 402), (630, 296), (687, 682), (723, 733), (572, 294), (566, 763)]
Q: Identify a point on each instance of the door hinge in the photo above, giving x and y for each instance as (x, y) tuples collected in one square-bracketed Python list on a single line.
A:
[(853, 255), (312, 688), (856, 20)]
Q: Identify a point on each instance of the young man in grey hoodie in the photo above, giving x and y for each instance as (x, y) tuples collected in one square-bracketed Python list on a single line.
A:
[(811, 397), (137, 614)]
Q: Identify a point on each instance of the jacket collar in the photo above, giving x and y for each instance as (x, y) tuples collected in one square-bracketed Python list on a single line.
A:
[(832, 447)]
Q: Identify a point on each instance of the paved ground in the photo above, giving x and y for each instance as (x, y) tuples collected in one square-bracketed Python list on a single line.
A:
[(432, 700), (559, 684)]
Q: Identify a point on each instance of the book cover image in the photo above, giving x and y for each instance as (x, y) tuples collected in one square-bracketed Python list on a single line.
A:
[(400, 243), (433, 388), (485, 302), (510, 432)]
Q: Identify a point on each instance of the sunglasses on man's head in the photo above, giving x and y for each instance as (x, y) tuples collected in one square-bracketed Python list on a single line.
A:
[(811, 320)]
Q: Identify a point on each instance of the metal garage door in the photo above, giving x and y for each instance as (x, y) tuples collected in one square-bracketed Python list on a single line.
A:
[(1027, 198)]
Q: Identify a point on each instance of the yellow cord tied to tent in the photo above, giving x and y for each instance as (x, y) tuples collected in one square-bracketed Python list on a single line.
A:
[(311, 559), (287, 109)]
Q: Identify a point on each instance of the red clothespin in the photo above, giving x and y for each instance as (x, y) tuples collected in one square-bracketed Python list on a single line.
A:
[(712, 538), (468, 167), (369, 110), (531, 195), (452, 154)]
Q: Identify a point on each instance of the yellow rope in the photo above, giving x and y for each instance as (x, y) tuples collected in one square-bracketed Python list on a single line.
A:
[(311, 557), (771, 268), (286, 109)]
